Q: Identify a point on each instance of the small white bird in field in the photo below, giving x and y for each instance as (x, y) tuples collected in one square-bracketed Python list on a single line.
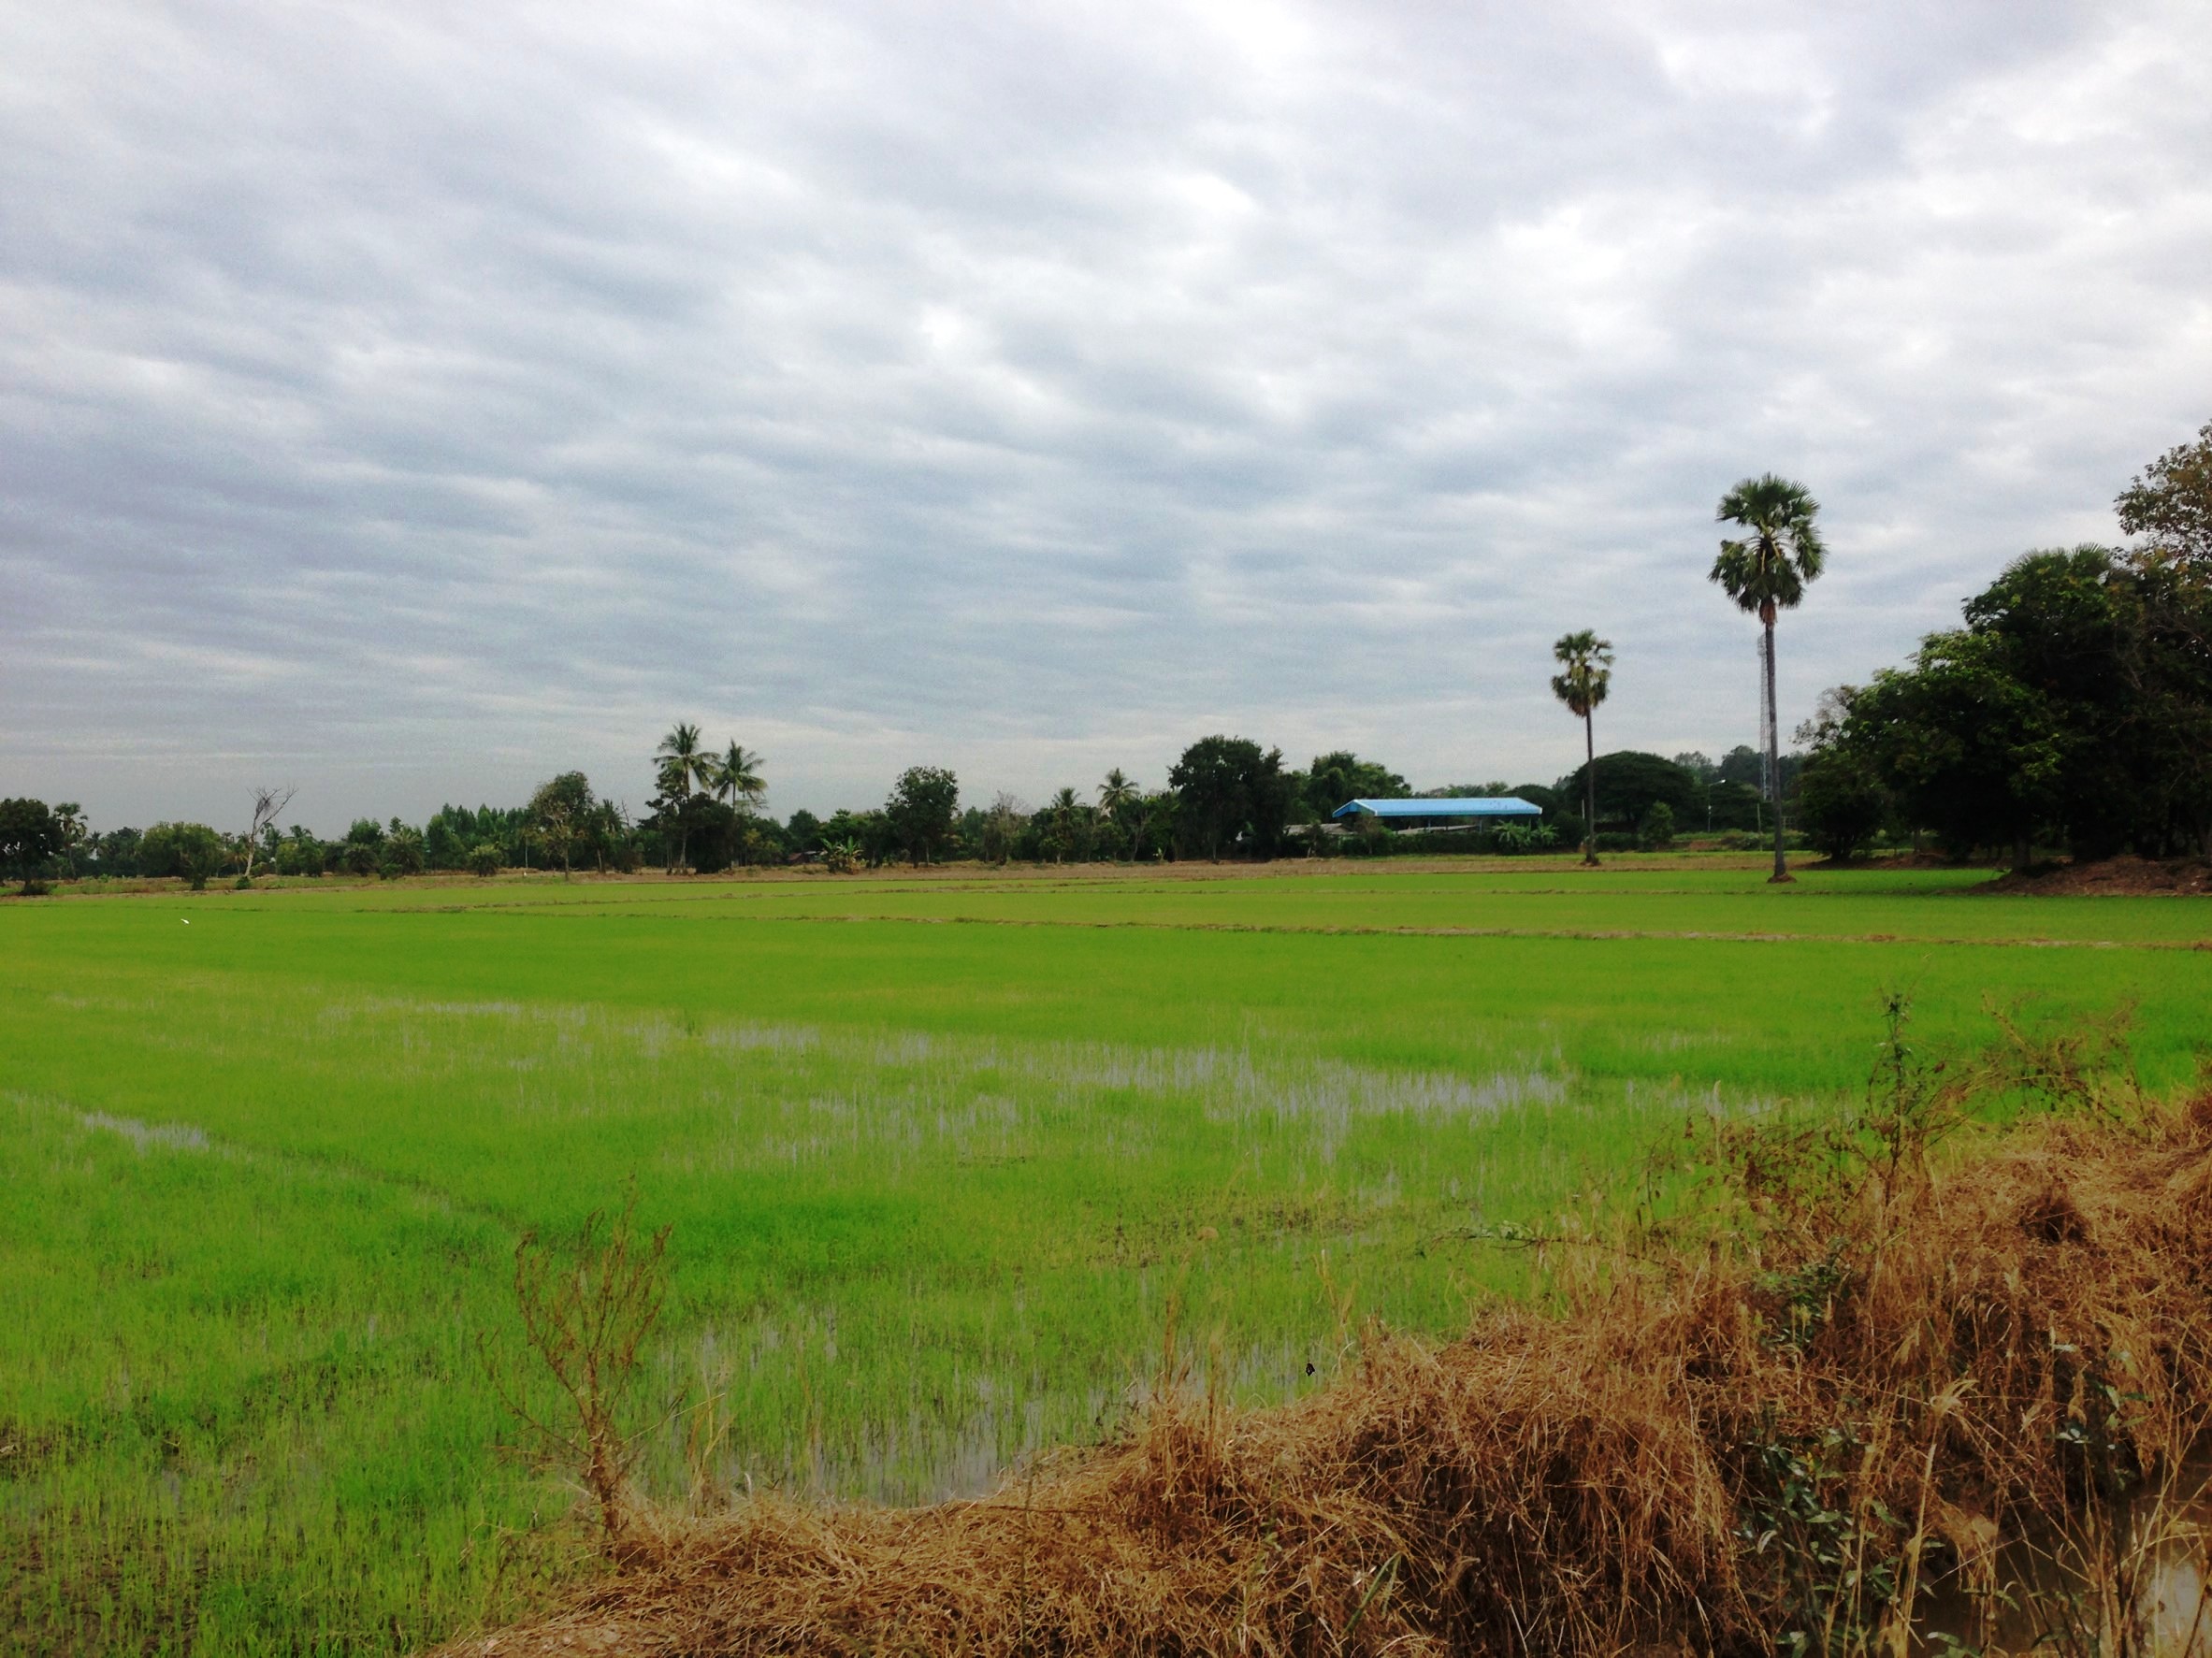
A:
[(188, 920)]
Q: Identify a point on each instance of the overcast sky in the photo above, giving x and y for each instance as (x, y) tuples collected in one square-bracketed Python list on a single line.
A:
[(409, 402)]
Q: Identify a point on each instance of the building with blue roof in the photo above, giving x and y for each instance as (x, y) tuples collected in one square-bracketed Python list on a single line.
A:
[(1445, 813)]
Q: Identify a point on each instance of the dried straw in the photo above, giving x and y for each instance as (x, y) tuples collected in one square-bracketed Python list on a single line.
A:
[(1982, 1349)]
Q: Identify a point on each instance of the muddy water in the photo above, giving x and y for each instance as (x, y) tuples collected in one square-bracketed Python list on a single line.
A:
[(2130, 1584)]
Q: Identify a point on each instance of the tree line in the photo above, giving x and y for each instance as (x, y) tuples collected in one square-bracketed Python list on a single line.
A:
[(1225, 796), (2072, 709)]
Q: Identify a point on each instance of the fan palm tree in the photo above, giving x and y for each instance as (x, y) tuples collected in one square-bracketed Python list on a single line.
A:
[(737, 776), (683, 763), (1766, 573), (1586, 674)]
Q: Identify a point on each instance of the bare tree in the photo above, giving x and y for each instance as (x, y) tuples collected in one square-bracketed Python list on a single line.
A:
[(268, 805)]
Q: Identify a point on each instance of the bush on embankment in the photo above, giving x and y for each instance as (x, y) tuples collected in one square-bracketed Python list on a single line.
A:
[(1875, 1356)]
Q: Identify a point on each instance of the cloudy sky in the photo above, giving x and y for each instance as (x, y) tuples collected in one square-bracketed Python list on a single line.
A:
[(408, 401)]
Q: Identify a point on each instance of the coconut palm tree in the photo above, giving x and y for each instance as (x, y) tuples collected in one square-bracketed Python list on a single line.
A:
[(683, 763), (1062, 809), (1765, 572), (737, 776), (1586, 674), (1116, 792), (1117, 795)]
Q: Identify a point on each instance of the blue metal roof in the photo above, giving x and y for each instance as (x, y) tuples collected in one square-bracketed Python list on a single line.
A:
[(1474, 806)]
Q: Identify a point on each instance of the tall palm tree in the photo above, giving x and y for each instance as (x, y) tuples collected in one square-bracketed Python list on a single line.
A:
[(1587, 674), (1116, 795), (683, 763), (737, 776), (1765, 572)]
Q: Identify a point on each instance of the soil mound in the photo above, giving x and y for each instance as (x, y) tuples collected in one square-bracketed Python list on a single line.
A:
[(1796, 1420), (2124, 876)]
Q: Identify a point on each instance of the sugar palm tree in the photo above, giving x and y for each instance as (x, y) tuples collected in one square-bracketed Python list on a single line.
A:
[(737, 776), (1766, 573), (683, 763), (1586, 674)]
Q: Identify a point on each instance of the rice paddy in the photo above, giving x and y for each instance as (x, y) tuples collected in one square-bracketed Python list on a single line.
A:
[(944, 1157)]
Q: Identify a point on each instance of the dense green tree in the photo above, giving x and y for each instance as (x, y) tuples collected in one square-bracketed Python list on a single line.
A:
[(854, 840), (1342, 775), (77, 837), (2075, 702), (994, 832), (712, 832), (114, 852), (606, 833), (1584, 676), (2169, 505), (1765, 571), (1744, 765), (403, 851), (1624, 786), (1843, 801), (1152, 827), (299, 853), (920, 810), (1055, 827), (30, 835), (803, 830), (1970, 753), (362, 851), (563, 809), (1227, 789), (877, 836), (191, 850)]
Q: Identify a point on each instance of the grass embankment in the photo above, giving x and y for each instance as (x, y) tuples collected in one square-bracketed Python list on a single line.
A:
[(931, 1185), (1849, 1403)]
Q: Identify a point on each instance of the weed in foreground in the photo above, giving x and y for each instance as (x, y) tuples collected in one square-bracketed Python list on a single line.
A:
[(589, 1305)]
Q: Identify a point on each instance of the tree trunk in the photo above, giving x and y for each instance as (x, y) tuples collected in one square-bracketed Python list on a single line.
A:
[(1589, 789), (2023, 850), (1773, 736)]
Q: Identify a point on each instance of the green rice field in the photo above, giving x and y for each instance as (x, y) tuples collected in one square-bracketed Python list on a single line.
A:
[(940, 1154)]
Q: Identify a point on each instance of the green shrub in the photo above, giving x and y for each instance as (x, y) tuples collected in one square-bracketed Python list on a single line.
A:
[(192, 850)]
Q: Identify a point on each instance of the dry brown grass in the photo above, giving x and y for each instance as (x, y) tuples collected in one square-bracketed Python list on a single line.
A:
[(1865, 1372)]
